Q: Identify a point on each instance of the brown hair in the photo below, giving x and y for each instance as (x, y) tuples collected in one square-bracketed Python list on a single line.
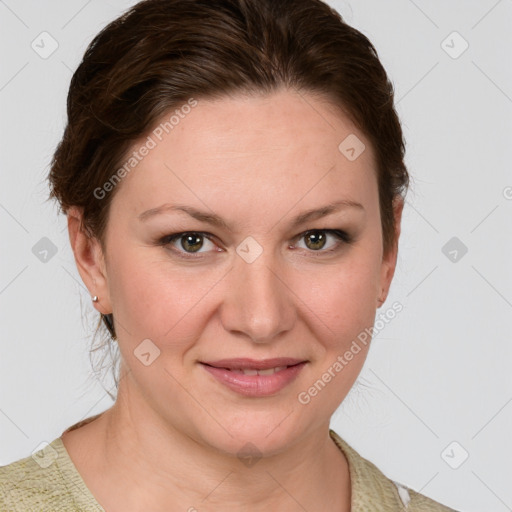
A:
[(160, 53)]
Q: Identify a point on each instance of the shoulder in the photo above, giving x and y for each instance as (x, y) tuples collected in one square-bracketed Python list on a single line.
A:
[(45, 480), (372, 490)]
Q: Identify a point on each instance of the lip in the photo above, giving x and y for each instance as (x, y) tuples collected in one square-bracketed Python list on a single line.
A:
[(257, 364), (224, 371)]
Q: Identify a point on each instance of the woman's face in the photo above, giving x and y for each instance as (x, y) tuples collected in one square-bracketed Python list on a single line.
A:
[(245, 282)]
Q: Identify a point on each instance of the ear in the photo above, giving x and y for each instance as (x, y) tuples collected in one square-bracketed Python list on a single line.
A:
[(389, 260), (89, 259)]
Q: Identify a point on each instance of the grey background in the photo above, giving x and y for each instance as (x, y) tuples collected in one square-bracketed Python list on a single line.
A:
[(438, 373)]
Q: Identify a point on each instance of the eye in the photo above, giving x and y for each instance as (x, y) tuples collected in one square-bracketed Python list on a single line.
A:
[(189, 242), (316, 240)]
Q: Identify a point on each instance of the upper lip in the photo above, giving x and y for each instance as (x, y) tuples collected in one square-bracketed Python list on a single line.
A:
[(255, 364)]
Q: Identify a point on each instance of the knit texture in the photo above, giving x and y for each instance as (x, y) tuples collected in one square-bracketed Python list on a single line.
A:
[(48, 481)]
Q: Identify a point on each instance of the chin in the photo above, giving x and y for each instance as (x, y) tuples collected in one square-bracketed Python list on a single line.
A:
[(266, 433)]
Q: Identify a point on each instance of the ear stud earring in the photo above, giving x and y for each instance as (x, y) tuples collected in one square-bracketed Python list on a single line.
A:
[(95, 298)]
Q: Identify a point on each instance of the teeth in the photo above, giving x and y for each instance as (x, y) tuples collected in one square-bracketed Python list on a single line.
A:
[(249, 372), (268, 371)]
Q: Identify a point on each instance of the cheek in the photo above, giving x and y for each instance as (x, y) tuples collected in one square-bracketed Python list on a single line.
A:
[(156, 299), (343, 297)]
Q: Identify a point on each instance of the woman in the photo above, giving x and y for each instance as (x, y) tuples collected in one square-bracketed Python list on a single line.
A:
[(232, 173)]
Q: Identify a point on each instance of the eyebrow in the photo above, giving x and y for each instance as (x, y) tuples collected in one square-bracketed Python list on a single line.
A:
[(215, 220)]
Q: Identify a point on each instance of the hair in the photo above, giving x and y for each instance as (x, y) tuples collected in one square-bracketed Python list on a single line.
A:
[(160, 53)]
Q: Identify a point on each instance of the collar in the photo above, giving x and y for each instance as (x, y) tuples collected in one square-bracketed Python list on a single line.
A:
[(370, 488)]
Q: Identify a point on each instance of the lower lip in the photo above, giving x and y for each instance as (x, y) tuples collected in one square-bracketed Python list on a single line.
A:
[(255, 385)]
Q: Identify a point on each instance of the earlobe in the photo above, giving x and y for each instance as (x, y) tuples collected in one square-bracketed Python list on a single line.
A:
[(89, 259)]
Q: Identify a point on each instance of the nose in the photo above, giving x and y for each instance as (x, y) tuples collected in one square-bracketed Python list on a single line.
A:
[(258, 302)]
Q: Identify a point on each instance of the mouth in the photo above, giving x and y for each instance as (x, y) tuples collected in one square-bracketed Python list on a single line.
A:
[(255, 366), (256, 378)]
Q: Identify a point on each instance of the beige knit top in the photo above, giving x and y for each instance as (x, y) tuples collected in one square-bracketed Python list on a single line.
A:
[(48, 481)]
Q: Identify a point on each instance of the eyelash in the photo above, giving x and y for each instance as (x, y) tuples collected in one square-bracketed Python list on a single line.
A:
[(342, 236)]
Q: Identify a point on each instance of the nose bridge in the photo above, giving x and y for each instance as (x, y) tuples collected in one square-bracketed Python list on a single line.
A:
[(258, 303)]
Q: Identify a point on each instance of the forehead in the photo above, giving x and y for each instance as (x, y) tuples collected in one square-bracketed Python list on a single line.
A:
[(256, 150)]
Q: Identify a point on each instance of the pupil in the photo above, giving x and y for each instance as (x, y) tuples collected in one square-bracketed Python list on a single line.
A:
[(320, 240), (194, 240)]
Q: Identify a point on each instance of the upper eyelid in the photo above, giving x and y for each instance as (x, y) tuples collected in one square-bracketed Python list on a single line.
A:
[(211, 235)]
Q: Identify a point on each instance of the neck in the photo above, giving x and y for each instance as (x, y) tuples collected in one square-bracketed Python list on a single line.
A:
[(156, 467)]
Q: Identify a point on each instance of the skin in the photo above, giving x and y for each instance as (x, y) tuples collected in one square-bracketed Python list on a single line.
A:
[(170, 441)]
